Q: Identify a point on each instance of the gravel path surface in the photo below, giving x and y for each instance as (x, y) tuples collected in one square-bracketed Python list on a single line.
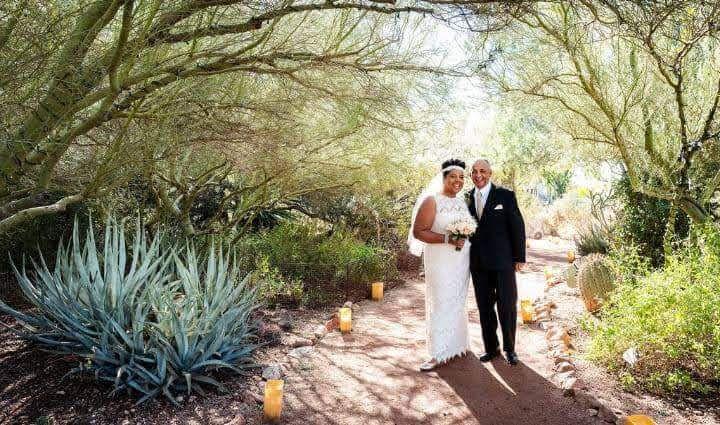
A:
[(370, 376)]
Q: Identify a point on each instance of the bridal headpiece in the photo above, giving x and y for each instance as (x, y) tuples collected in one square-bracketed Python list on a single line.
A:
[(452, 167)]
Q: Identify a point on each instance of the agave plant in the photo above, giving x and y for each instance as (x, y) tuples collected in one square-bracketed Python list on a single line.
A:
[(155, 320)]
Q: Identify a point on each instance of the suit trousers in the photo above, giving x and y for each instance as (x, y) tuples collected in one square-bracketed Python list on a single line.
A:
[(496, 287)]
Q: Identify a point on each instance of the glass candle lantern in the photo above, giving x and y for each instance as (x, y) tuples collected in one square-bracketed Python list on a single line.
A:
[(272, 406), (639, 420), (571, 256), (377, 291), (345, 316), (526, 310)]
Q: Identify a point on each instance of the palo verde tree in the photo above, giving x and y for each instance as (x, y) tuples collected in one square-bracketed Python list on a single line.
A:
[(75, 76), (636, 81)]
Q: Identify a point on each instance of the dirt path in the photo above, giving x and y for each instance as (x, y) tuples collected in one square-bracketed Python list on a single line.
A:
[(370, 376)]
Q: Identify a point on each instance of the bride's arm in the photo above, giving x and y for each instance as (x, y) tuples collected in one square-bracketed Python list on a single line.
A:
[(424, 221)]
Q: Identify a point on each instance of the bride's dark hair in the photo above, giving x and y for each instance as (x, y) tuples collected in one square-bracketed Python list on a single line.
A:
[(450, 162)]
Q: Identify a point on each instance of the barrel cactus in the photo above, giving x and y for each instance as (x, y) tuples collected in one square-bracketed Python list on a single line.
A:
[(571, 275), (596, 280)]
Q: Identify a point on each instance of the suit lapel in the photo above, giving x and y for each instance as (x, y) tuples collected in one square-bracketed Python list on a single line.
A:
[(490, 199), (471, 206)]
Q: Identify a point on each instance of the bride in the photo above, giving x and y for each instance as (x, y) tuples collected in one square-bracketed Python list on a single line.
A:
[(447, 271)]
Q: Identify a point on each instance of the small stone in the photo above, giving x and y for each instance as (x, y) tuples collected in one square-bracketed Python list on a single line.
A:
[(253, 397), (568, 386), (608, 415), (348, 304), (320, 332), (333, 324), (273, 371), (179, 399), (564, 367), (285, 324), (301, 352), (592, 412), (553, 333), (237, 420), (563, 359), (544, 316)]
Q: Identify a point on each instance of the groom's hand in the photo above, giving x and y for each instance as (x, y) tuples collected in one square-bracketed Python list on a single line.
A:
[(519, 266)]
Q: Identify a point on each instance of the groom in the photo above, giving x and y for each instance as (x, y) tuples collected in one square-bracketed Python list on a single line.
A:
[(497, 251)]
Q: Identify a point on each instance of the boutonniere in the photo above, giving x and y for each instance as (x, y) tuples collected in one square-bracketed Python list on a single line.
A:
[(468, 198)]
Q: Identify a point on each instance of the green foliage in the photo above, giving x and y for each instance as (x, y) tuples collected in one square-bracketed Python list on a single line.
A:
[(628, 263), (305, 262), (276, 289), (377, 218), (670, 316), (44, 420), (557, 183), (152, 318), (592, 240), (596, 280), (643, 222)]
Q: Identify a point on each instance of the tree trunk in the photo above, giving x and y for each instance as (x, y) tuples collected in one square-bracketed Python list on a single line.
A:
[(669, 231)]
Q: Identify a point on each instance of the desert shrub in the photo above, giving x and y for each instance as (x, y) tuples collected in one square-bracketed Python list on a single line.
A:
[(149, 318), (670, 316), (274, 288), (564, 216), (642, 221), (628, 263), (380, 219), (303, 261), (593, 239), (557, 182)]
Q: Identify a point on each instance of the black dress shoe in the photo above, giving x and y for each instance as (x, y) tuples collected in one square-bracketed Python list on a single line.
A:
[(511, 357), (489, 356)]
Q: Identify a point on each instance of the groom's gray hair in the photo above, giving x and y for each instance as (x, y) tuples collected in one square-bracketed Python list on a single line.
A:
[(487, 161)]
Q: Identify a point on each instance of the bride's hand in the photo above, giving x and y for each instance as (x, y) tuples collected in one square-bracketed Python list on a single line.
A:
[(459, 243)]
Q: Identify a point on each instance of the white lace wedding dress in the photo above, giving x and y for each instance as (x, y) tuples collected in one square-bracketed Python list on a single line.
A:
[(447, 274)]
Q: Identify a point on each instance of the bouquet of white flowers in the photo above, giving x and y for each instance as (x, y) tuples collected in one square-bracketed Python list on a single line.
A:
[(461, 229)]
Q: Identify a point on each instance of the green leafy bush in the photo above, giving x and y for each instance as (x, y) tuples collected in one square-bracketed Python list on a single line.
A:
[(153, 319), (592, 240), (671, 317), (275, 289), (643, 222), (303, 262)]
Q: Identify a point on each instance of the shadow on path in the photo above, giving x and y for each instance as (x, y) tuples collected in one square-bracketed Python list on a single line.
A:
[(499, 394)]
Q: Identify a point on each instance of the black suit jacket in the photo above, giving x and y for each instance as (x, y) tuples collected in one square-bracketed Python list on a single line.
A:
[(499, 240)]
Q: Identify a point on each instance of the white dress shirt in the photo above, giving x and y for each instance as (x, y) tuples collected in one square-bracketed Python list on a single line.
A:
[(481, 196)]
